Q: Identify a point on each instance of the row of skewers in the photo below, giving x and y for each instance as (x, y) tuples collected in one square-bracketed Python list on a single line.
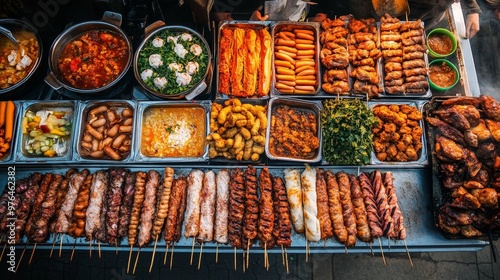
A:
[(234, 206)]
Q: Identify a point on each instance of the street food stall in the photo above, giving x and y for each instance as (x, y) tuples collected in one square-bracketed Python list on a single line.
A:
[(294, 137)]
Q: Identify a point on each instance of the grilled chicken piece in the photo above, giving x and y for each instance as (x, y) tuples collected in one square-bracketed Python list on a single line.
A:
[(447, 130), (481, 131), (488, 197), (494, 128), (466, 201), (442, 222), (469, 231), (472, 185), (482, 177), (453, 117), (463, 100), (469, 112), (472, 163), (457, 192), (491, 107), (486, 150), (447, 150), (455, 217)]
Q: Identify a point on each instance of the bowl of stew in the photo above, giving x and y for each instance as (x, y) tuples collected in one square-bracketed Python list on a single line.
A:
[(443, 74), (90, 57), (18, 63), (441, 43)]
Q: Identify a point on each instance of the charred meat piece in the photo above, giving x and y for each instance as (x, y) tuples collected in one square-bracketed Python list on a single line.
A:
[(472, 163), (469, 112), (488, 197), (453, 117), (447, 149), (494, 128), (466, 201), (447, 130), (491, 107)]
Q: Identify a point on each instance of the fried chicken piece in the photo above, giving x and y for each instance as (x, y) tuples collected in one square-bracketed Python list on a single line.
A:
[(394, 75), (337, 87), (494, 128), (411, 153), (466, 201), (390, 127), (481, 132), (491, 107), (469, 112), (356, 26), (463, 100), (330, 59), (335, 75), (488, 197), (469, 231), (447, 149), (471, 185), (416, 133), (447, 130), (384, 113), (362, 74), (361, 87), (393, 66), (457, 192), (329, 23), (391, 151)]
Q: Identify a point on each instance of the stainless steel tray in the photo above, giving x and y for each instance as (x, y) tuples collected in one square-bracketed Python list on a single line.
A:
[(9, 157), (139, 118), (411, 187), (422, 159), (255, 25), (314, 106), (83, 115), (314, 26), (21, 156)]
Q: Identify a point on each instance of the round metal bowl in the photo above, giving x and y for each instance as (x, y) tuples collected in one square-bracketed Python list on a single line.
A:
[(198, 87), (110, 21), (15, 25)]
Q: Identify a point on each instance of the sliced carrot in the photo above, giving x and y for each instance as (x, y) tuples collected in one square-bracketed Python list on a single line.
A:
[(3, 106), (9, 120)]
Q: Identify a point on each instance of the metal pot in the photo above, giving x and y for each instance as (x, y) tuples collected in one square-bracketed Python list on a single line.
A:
[(197, 88), (110, 21), (16, 25)]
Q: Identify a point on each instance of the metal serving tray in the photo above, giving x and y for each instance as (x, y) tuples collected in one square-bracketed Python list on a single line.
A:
[(139, 117), (314, 106), (222, 160), (426, 95), (314, 26), (255, 25), (83, 115), (422, 159), (72, 107), (9, 156), (411, 186)]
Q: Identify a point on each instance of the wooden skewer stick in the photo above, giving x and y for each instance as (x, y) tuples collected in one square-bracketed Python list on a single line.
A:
[(3, 250), (371, 249), (192, 253), (32, 253), (136, 260), (129, 257), (388, 243), (243, 261), (234, 258), (51, 250), (265, 254), (116, 246), (282, 255), (60, 245), (172, 257), (72, 251), (99, 248), (22, 254), (382, 251), (345, 249), (408, 253), (248, 253), (286, 261), (199, 257), (307, 249), (90, 248), (166, 253), (267, 257), (217, 253), (153, 255)]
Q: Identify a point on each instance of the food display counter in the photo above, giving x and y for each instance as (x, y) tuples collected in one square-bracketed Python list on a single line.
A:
[(413, 181)]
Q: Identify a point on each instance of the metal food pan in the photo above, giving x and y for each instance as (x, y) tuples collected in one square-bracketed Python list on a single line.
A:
[(411, 187), (223, 160), (314, 106), (289, 25), (142, 108), (8, 157), (426, 95), (422, 159), (255, 25), (84, 115), (72, 109)]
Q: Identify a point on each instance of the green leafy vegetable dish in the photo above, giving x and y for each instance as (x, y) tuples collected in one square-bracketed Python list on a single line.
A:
[(172, 62), (347, 132)]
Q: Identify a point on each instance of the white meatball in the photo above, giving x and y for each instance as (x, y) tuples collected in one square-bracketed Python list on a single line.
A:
[(196, 49), (12, 58), (180, 50), (158, 42), (155, 60), (175, 67), (186, 37), (183, 79), (192, 67), (172, 39), (25, 62), (146, 74), (160, 82)]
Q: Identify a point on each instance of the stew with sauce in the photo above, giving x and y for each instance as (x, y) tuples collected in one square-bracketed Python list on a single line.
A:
[(94, 59), (440, 43), (442, 75)]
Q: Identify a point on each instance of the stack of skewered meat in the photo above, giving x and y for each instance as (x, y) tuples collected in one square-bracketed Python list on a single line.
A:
[(364, 55), (334, 56), (403, 49), (466, 137)]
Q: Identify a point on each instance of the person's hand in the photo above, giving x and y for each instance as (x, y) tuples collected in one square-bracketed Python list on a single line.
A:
[(471, 25), (319, 17), (256, 15)]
